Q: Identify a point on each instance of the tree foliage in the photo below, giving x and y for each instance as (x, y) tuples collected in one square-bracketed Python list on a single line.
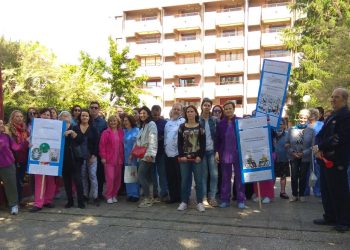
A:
[(312, 38)]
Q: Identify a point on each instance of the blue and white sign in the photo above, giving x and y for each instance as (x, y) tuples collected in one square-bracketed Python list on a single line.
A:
[(255, 149), (272, 91), (47, 150)]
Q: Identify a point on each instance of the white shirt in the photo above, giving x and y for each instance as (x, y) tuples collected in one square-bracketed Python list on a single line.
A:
[(170, 136), (209, 142)]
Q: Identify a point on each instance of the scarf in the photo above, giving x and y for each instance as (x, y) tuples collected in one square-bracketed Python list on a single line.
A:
[(20, 132)]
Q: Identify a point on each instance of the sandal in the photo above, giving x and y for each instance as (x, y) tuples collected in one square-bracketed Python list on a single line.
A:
[(284, 196)]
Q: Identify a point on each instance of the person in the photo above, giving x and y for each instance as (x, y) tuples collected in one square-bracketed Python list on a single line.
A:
[(45, 186), (321, 117), (327, 113), (120, 111), (53, 113), (282, 160), (112, 157), (18, 131), (8, 169), (130, 136), (332, 151), (71, 163), (159, 167), (191, 146), (171, 153), (75, 111), (226, 153), (147, 137), (209, 122), (316, 124), (100, 124), (31, 114), (299, 141), (218, 112), (89, 134), (136, 115)]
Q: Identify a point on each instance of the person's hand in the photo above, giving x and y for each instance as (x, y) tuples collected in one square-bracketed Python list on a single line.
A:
[(149, 158), (315, 149), (197, 160), (217, 157), (91, 160), (287, 145), (103, 161), (319, 154), (182, 159), (296, 155)]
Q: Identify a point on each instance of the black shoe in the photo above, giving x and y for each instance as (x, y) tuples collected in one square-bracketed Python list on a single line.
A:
[(134, 199), (49, 205), (101, 197), (128, 198), (341, 228), (284, 196), (324, 222), (35, 209), (81, 205), (69, 204), (86, 199), (97, 202)]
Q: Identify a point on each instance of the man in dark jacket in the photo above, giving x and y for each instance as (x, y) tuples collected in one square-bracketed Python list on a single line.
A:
[(333, 152)]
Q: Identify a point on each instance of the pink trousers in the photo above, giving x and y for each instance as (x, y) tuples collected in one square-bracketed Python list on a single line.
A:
[(48, 190), (113, 176), (266, 189)]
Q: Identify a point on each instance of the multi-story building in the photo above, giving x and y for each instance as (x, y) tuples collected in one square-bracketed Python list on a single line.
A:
[(192, 49)]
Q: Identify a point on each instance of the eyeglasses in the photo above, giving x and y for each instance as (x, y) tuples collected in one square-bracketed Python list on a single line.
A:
[(77, 110), (93, 107), (217, 111), (32, 113)]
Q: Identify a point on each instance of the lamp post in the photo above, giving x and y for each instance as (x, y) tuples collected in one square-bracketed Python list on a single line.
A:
[(306, 99)]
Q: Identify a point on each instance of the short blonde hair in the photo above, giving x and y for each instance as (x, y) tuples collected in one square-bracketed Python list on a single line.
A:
[(305, 112), (112, 117)]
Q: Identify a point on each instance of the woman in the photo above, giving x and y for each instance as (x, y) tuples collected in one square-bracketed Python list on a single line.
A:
[(75, 111), (53, 113), (227, 155), (71, 164), (44, 190), (218, 112), (191, 146), (300, 140), (136, 113), (18, 132), (31, 114), (130, 136), (90, 149), (112, 156), (147, 137), (8, 169)]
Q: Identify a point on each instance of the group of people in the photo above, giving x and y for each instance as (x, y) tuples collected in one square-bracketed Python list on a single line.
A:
[(170, 153)]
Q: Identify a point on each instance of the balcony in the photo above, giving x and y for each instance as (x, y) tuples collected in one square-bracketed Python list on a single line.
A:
[(129, 30), (188, 92), (209, 90), (276, 12), (229, 43), (154, 91), (230, 17), (209, 67), (229, 90), (187, 69), (209, 44), (253, 88), (229, 67), (148, 27), (150, 71), (183, 22), (271, 39), (189, 46), (145, 49)]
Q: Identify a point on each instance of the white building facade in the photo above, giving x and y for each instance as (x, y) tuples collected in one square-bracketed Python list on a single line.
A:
[(194, 49)]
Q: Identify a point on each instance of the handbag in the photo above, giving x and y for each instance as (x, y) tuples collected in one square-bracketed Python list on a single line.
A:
[(130, 174), (138, 151), (313, 177), (81, 151)]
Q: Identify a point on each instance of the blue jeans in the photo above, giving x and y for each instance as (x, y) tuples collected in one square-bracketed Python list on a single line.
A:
[(160, 172), (145, 177), (209, 165), (317, 187), (186, 169)]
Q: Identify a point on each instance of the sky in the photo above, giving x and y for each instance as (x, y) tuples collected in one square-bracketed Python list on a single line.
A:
[(64, 26)]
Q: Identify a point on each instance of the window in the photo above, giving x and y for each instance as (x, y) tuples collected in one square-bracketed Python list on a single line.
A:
[(275, 28), (231, 79), (231, 32), (188, 36), (152, 83), (190, 102), (230, 9), (189, 59), (149, 39), (149, 17), (276, 53), (150, 61), (231, 56), (188, 12), (185, 82), (224, 100)]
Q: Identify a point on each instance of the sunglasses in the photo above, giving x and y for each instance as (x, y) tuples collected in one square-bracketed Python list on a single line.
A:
[(32, 113), (217, 111), (77, 110), (93, 107)]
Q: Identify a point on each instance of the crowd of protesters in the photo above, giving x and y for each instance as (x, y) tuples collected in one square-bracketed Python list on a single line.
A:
[(170, 153)]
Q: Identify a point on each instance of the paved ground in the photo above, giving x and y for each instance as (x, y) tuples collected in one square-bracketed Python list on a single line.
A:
[(279, 225)]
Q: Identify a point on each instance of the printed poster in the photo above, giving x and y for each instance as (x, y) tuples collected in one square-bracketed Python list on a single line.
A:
[(272, 91), (255, 149), (47, 147)]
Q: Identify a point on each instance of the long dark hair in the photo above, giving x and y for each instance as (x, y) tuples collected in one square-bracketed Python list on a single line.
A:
[(195, 110), (149, 118), (79, 117), (222, 111), (131, 119)]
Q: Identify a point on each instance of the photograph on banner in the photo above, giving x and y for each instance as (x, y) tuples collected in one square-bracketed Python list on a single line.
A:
[(255, 149), (272, 91), (47, 147)]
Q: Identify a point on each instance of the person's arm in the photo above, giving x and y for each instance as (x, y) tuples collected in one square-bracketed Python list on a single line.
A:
[(180, 141), (78, 139), (202, 142), (103, 147), (152, 146), (307, 150)]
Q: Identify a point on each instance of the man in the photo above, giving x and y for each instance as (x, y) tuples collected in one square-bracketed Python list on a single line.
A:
[(171, 151), (209, 164), (333, 153), (159, 169), (100, 124)]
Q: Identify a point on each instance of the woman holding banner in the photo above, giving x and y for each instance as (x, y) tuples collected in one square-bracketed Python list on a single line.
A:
[(227, 155), (45, 186)]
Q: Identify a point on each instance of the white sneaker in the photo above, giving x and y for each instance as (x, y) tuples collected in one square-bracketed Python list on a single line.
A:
[(110, 201), (182, 206), (293, 199), (200, 207), (256, 199), (114, 200), (266, 200), (14, 210), (205, 202)]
